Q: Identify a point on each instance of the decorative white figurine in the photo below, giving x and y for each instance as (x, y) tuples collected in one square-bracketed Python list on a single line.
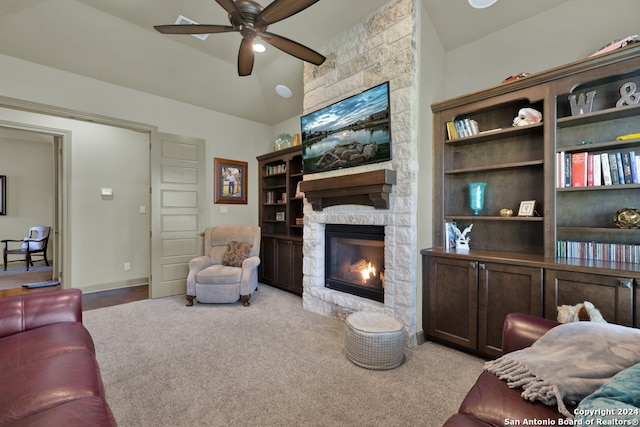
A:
[(527, 116), (462, 240)]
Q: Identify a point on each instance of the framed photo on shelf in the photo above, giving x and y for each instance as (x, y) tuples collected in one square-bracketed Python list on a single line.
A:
[(3, 194), (527, 208), (230, 181)]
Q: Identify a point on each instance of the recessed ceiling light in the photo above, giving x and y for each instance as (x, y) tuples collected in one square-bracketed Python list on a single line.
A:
[(283, 91), (258, 47), (183, 20), (481, 4)]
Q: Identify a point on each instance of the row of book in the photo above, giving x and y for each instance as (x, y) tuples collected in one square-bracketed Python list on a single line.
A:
[(584, 169), (462, 128), (273, 197), (273, 170), (615, 252)]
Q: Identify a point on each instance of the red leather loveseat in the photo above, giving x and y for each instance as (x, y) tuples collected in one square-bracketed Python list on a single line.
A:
[(49, 375), (490, 402)]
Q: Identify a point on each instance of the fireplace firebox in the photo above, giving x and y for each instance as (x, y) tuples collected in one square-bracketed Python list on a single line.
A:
[(354, 260)]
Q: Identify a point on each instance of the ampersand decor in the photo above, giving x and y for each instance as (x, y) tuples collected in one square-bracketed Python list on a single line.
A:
[(628, 95)]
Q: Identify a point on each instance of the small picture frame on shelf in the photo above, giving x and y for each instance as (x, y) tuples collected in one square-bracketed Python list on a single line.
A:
[(279, 216), (527, 208)]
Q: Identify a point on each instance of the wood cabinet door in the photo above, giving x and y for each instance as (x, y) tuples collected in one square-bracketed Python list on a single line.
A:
[(296, 268), (636, 291), (504, 289), (284, 261), (267, 268), (612, 295), (450, 308)]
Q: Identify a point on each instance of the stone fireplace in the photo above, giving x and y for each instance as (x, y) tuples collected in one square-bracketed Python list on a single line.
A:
[(381, 48)]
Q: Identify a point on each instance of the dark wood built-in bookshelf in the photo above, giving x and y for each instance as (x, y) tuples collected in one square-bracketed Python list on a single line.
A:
[(516, 263), (280, 217)]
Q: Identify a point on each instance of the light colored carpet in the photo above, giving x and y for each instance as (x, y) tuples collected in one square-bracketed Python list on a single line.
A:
[(15, 277), (271, 364)]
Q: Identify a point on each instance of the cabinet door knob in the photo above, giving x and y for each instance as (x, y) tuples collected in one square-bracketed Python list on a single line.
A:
[(472, 265), (625, 283), (482, 266)]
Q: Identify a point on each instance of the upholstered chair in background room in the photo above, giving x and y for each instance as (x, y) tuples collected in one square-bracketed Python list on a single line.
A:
[(35, 243), (228, 270)]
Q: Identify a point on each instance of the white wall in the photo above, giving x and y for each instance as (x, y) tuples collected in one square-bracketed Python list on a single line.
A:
[(104, 232), (569, 32), (431, 60), (290, 126), (27, 161), (226, 137)]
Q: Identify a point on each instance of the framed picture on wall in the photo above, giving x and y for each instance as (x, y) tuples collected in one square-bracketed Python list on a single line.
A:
[(3, 194), (230, 181)]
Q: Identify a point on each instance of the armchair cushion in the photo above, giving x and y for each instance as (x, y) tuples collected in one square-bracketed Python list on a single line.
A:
[(32, 244), (236, 253), (219, 275)]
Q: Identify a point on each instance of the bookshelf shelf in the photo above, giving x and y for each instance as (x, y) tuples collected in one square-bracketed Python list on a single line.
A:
[(494, 218), (599, 146), (600, 188), (598, 116), (613, 230), (496, 167), (491, 135)]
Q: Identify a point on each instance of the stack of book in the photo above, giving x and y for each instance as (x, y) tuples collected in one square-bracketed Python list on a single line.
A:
[(584, 169), (273, 170), (462, 128), (299, 221), (616, 252)]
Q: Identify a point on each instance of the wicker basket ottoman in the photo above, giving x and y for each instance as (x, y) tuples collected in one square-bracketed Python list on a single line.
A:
[(374, 340)]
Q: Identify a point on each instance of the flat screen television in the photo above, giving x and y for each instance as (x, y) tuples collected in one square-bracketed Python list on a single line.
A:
[(352, 132)]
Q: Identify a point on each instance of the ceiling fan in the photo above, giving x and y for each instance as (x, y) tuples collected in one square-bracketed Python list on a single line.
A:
[(251, 20)]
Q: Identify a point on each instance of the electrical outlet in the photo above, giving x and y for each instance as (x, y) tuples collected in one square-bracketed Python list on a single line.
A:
[(224, 209), (127, 266)]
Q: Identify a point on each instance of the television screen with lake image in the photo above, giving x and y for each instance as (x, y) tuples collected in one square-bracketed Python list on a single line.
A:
[(352, 132)]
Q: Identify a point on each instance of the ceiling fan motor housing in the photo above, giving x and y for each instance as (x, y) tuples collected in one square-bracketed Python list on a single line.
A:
[(246, 23)]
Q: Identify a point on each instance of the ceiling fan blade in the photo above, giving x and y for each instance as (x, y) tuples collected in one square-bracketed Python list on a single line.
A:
[(281, 9), (293, 48), (245, 57), (193, 29), (232, 8)]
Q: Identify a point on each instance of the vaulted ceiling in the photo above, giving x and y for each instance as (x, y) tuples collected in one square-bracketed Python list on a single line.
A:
[(114, 41)]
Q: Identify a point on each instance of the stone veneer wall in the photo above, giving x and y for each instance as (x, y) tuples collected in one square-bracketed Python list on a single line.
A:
[(381, 48)]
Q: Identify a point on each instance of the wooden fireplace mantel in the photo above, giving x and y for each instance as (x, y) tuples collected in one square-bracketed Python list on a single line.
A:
[(366, 188)]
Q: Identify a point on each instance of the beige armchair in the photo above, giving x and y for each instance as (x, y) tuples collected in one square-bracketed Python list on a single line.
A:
[(228, 270)]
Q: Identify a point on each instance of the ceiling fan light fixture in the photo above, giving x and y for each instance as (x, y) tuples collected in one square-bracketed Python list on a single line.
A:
[(284, 91), (251, 20), (481, 4), (259, 47)]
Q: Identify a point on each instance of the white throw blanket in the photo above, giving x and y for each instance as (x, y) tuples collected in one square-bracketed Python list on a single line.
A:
[(569, 362)]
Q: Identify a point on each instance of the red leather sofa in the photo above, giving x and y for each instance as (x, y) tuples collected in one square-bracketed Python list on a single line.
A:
[(49, 375), (490, 402)]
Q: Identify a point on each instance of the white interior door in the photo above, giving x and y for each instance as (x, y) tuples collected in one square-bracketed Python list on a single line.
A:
[(178, 198)]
